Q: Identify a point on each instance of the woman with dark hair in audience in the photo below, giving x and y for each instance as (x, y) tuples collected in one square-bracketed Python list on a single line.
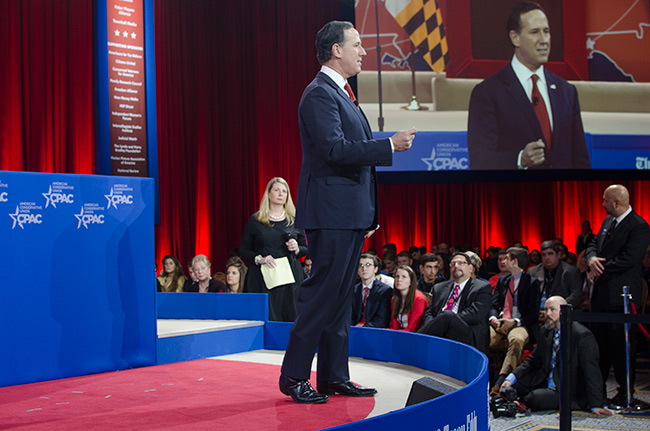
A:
[(172, 278), (235, 275), (269, 235), (204, 281), (408, 303), (535, 258)]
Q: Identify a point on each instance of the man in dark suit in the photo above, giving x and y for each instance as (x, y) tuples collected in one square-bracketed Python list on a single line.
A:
[(615, 259), (459, 307), (555, 277), (371, 303), (336, 205), (524, 116), (537, 380), (515, 311)]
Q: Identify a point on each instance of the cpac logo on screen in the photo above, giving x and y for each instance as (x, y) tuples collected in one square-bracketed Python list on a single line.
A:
[(445, 163), (86, 219), (114, 199), (23, 219), (56, 198), (3, 197)]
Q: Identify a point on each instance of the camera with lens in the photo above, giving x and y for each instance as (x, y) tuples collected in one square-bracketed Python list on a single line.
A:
[(505, 403)]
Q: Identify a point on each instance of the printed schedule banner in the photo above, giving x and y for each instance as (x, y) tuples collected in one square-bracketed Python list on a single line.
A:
[(79, 290)]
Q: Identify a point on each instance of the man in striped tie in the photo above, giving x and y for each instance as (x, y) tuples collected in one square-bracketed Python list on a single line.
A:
[(537, 380), (459, 307)]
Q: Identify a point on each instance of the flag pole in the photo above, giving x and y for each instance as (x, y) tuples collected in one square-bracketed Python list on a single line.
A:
[(414, 105), (380, 119)]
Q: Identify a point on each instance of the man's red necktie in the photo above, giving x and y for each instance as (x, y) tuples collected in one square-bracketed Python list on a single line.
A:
[(542, 114)]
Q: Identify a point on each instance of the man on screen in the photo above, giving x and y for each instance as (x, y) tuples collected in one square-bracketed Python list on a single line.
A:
[(524, 116)]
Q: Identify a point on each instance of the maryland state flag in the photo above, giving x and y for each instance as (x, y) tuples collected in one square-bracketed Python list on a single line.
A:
[(422, 21)]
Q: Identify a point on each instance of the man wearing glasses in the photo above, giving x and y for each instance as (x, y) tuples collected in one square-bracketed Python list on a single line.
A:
[(371, 305), (460, 307)]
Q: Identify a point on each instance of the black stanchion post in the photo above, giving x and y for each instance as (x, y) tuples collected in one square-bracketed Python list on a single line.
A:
[(566, 322), (626, 308)]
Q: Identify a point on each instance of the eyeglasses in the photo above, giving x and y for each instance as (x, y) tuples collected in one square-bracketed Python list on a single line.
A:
[(457, 263), (366, 265)]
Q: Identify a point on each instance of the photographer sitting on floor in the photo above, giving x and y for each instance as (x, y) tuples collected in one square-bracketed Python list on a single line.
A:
[(537, 379)]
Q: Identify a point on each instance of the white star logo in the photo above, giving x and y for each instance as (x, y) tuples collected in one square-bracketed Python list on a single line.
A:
[(125, 34), (47, 198), (133, 35), (109, 197), (80, 217), (15, 219), (117, 32), (591, 44), (429, 160)]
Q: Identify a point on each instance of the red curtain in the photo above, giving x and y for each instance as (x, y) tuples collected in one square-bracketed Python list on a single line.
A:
[(46, 86), (229, 79), (484, 214)]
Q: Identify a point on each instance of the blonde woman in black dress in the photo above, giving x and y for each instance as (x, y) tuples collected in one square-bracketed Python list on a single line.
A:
[(269, 235)]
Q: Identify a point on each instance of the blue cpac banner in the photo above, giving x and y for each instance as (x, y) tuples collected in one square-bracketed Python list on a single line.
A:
[(78, 290), (447, 151)]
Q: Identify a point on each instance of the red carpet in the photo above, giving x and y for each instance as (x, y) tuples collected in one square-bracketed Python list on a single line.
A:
[(195, 395)]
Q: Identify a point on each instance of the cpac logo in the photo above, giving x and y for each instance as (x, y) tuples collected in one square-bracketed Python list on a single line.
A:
[(22, 219), (55, 198), (86, 219), (445, 163), (118, 199), (3, 197)]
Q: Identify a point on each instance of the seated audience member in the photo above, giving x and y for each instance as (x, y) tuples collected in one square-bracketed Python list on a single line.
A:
[(404, 258), (475, 267), (204, 282), (586, 284), (460, 307), (192, 278), (389, 260), (491, 262), (306, 266), (235, 275), (172, 279), (584, 239), (535, 258), (429, 269), (389, 247), (502, 258), (556, 278), (515, 311), (416, 254), (443, 248), (371, 303), (537, 379), (408, 303), (434, 249)]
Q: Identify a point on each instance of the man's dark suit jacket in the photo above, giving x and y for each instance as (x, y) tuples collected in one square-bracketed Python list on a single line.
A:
[(587, 386), (337, 188), (336, 202), (473, 308), (623, 251), (377, 305), (502, 121), (527, 303), (567, 282)]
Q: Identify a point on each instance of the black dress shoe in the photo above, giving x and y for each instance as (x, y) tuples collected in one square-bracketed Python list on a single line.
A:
[(301, 391), (345, 387)]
